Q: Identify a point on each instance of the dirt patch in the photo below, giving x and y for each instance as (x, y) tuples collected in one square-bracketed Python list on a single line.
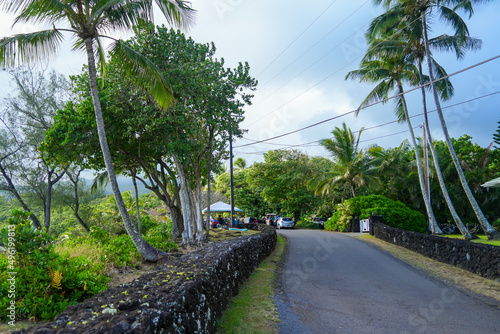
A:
[(462, 279)]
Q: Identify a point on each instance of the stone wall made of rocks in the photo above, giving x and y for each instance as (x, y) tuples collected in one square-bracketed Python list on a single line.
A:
[(185, 295), (480, 259)]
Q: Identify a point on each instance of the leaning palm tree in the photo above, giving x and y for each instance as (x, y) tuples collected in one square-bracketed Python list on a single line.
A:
[(450, 16), (402, 31), (88, 21), (390, 75), (351, 166)]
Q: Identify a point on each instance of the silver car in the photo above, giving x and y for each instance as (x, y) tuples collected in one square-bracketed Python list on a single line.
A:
[(285, 222)]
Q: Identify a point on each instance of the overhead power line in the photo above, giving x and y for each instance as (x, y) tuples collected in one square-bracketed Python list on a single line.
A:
[(324, 79), (316, 142), (372, 104), (319, 41), (296, 38)]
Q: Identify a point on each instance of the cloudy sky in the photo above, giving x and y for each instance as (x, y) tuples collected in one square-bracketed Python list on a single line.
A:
[(300, 55)]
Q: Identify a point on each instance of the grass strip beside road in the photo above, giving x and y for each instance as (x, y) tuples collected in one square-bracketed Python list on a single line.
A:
[(460, 278), (482, 239), (253, 310)]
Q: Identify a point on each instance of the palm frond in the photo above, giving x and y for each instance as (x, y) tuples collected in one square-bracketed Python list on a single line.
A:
[(143, 72), (102, 59), (449, 16), (456, 44), (30, 48), (99, 182), (177, 12), (43, 11), (399, 110), (121, 14), (445, 87)]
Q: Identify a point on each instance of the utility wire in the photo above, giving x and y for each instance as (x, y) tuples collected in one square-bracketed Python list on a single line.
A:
[(289, 45), (311, 47), (316, 142), (373, 104), (324, 79)]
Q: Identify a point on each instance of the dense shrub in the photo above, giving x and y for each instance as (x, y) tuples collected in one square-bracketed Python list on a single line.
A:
[(45, 282), (395, 213), (307, 224)]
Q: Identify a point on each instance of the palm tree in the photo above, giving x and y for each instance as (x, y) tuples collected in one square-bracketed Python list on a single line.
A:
[(88, 22), (449, 16), (391, 73), (403, 33), (351, 166)]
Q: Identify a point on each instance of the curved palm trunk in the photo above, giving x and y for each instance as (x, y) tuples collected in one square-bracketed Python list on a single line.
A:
[(456, 218), (430, 214), (149, 252), (488, 229)]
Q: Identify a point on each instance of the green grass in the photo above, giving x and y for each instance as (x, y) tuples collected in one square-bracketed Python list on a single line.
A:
[(253, 310), (483, 239)]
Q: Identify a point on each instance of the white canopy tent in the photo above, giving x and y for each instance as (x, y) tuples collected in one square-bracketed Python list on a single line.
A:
[(221, 207), (495, 183)]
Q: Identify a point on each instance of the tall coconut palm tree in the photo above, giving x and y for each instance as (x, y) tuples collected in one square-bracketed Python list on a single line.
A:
[(390, 75), (403, 36), (88, 21), (351, 165), (449, 15)]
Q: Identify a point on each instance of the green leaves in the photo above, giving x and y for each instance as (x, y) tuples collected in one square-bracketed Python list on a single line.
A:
[(29, 48), (144, 72), (395, 213)]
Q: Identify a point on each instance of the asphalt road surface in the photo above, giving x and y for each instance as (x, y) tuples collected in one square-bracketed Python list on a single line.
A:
[(335, 283)]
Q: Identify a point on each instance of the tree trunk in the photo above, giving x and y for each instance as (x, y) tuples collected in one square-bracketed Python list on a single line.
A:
[(200, 237), (187, 235), (456, 218), (488, 229), (209, 163), (177, 219), (13, 190), (77, 201), (48, 202), (48, 199), (421, 178), (138, 212), (149, 252)]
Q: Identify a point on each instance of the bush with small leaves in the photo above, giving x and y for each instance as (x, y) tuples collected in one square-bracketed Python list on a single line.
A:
[(45, 282)]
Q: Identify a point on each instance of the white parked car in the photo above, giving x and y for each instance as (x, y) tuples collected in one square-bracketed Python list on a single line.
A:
[(285, 222)]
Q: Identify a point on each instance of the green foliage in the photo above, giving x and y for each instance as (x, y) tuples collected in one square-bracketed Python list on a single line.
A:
[(496, 224), (306, 224), (341, 218), (395, 213), (46, 282), (282, 181), (496, 137)]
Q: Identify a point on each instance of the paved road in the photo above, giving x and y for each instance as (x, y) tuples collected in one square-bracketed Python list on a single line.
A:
[(334, 283)]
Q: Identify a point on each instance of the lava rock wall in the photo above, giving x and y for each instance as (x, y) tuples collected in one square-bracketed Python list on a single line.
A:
[(480, 259), (186, 295)]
